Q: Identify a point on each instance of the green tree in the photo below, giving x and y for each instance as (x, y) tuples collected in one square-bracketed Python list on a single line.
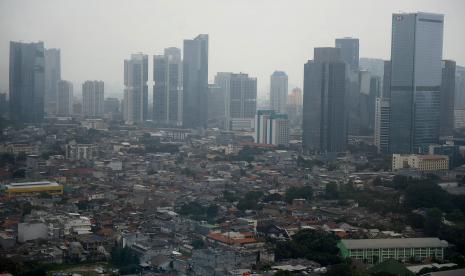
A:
[(273, 197), (250, 201), (229, 196), (198, 244), (212, 212), (193, 210), (123, 257), (292, 193), (314, 245), (456, 215), (433, 221), (425, 193), (331, 191)]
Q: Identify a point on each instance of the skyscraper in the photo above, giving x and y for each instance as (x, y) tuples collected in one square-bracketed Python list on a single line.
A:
[(381, 136), (295, 98), (447, 98), (416, 54), (195, 82), (167, 91), (387, 80), (349, 48), (136, 90), (278, 91), (92, 98), (242, 101), (349, 51), (365, 103), (271, 128), (3, 105), (52, 76), (369, 90), (223, 81), (324, 116), (459, 87), (216, 113), (64, 98), (27, 82)]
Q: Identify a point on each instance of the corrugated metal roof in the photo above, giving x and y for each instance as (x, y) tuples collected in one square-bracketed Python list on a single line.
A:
[(394, 243)]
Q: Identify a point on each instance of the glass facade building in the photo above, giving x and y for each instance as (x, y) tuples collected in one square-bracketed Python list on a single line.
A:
[(27, 82), (416, 54), (324, 117), (195, 82)]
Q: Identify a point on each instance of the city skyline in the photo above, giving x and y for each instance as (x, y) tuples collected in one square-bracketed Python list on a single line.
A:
[(220, 138), (226, 55)]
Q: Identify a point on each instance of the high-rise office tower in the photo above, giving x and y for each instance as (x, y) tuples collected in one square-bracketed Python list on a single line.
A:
[(349, 48), (27, 82), (93, 94), (52, 76), (295, 97), (387, 80), (416, 54), (242, 101), (365, 103), (349, 51), (324, 117), (216, 113), (271, 128), (381, 136), (459, 87), (369, 90), (447, 98), (374, 65), (223, 81), (64, 98), (294, 107), (195, 82), (167, 91), (278, 91), (135, 104), (3, 105)]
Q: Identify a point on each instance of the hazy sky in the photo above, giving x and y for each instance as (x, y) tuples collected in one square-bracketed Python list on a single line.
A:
[(250, 36)]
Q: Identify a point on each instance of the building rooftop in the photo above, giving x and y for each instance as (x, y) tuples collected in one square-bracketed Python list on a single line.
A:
[(31, 184), (432, 157), (394, 243)]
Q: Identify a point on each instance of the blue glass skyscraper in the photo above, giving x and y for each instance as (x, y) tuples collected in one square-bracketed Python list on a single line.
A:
[(416, 54)]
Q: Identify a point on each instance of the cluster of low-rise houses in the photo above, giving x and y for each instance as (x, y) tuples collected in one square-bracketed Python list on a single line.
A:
[(85, 192)]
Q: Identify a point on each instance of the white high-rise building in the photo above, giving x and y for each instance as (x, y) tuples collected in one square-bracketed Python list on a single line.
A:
[(382, 125), (271, 128), (92, 98), (64, 98), (278, 91), (135, 104)]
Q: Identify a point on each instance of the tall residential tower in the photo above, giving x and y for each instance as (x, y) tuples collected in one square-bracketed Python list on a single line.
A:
[(167, 91), (52, 76), (135, 105), (92, 98), (278, 91)]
